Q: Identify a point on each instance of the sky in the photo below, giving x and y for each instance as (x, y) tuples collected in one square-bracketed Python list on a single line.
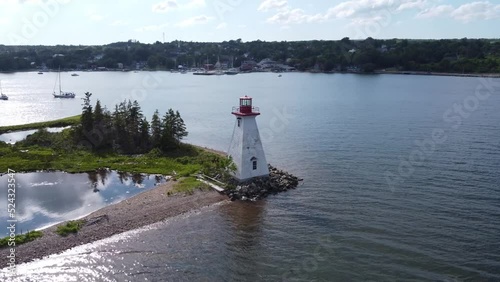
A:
[(97, 22)]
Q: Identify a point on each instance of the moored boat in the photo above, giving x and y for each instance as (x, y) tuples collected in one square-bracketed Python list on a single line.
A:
[(62, 94), (2, 96)]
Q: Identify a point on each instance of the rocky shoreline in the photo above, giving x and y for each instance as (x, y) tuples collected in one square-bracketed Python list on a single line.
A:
[(259, 188)]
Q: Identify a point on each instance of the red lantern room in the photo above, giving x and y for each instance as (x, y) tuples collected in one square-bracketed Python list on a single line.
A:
[(245, 108)]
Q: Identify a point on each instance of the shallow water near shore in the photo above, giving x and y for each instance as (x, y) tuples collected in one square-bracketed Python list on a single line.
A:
[(13, 137), (342, 134)]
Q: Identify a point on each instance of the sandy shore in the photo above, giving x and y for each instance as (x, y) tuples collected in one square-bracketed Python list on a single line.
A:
[(143, 209)]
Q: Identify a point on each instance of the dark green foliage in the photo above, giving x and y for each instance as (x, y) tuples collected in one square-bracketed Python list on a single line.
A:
[(446, 55), (61, 141), (87, 116), (173, 130), (70, 227), (69, 121), (21, 239), (126, 130), (156, 130)]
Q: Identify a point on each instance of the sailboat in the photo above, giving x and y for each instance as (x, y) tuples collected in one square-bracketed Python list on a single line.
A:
[(232, 70), (61, 93), (2, 96)]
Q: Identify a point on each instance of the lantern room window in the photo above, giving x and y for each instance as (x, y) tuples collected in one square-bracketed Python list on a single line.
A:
[(246, 102)]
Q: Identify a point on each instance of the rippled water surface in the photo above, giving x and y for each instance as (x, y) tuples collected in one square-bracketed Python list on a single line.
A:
[(401, 181)]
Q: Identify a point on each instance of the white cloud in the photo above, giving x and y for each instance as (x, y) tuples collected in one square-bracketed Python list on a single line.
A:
[(267, 5), (94, 15), (202, 19), (119, 23), (165, 6), (358, 11), (195, 4), (294, 16), (480, 10), (418, 4), (152, 27), (362, 7), (170, 5), (367, 21), (221, 26), (476, 10), (369, 12), (435, 11)]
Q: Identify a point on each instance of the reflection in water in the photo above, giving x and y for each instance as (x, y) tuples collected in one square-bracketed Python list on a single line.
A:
[(14, 137), (46, 198), (246, 218)]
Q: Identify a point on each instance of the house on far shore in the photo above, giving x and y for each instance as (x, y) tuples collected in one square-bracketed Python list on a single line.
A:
[(248, 65)]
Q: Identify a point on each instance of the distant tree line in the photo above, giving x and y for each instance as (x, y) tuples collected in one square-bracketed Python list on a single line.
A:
[(446, 55), (126, 130)]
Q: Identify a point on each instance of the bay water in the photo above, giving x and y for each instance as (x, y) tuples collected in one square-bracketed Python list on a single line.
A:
[(401, 178)]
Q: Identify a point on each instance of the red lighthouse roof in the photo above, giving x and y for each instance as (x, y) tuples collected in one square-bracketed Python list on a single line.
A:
[(245, 108)]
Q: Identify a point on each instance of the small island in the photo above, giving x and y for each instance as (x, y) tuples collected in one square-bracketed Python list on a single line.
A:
[(124, 140)]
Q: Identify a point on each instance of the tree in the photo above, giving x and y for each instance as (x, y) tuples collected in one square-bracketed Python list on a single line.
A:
[(98, 113), (173, 130), (87, 119), (156, 129), (167, 136), (179, 128), (144, 140)]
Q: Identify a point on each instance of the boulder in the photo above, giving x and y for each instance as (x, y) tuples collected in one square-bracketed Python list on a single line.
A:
[(259, 188)]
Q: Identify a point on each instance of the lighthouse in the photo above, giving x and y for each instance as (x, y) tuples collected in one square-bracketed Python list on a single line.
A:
[(246, 148)]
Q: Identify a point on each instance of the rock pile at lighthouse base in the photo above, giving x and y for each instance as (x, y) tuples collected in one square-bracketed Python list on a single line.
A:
[(258, 188)]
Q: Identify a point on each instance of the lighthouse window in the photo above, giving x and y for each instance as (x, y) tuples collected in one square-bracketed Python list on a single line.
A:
[(239, 121), (254, 165)]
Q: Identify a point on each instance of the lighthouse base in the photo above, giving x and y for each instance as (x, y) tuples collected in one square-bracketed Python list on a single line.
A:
[(260, 187), (250, 179)]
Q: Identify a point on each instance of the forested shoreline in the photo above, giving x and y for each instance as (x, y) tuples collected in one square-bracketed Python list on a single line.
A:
[(368, 55)]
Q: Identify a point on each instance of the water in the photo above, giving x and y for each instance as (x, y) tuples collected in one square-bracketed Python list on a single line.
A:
[(343, 134), (46, 198), (13, 137)]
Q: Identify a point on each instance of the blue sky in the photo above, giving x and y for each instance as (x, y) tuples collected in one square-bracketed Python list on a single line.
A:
[(93, 22)]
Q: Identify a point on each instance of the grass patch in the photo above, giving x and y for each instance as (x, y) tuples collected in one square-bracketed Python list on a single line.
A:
[(21, 238), (70, 227), (57, 151), (188, 185), (34, 158), (69, 121)]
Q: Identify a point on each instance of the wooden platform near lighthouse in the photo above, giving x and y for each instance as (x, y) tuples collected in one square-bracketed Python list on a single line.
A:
[(211, 182)]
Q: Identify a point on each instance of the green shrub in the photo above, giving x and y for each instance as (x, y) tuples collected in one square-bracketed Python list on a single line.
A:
[(21, 238), (70, 227), (189, 185)]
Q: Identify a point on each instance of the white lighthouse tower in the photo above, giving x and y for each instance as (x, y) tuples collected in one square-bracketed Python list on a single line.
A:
[(246, 147)]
